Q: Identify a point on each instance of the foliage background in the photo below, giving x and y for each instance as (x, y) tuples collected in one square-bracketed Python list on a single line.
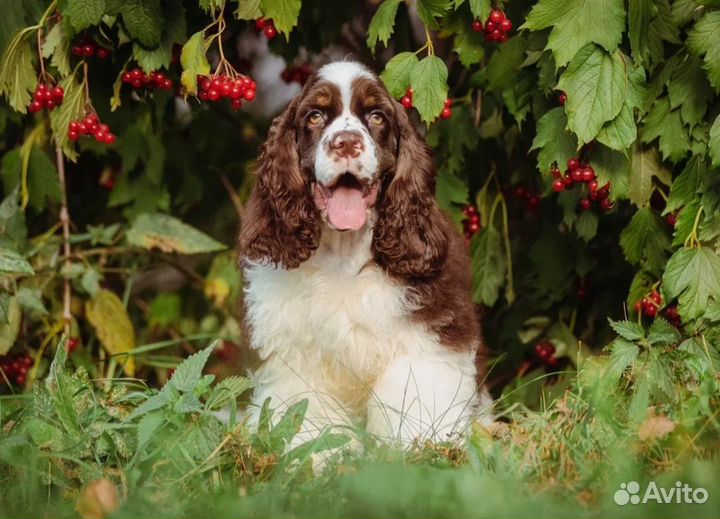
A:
[(630, 396)]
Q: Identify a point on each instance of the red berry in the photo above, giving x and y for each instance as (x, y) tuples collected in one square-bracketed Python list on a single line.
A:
[(573, 163), (562, 98), (35, 106), (558, 185), (671, 219), (496, 16), (270, 32), (593, 185), (58, 94), (103, 53), (406, 102), (576, 175), (110, 139), (506, 25), (249, 95), (260, 24), (137, 83), (490, 26), (236, 104), (213, 94), (503, 37), (88, 50), (588, 174), (73, 135), (473, 227), (568, 181), (605, 204), (28, 361), (603, 193), (446, 113), (77, 50), (225, 89), (470, 210), (585, 204), (72, 344), (497, 35), (448, 103), (20, 380), (100, 136), (477, 26)]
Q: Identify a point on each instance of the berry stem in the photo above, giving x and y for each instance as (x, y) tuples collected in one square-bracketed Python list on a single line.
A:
[(65, 221), (428, 42), (692, 240)]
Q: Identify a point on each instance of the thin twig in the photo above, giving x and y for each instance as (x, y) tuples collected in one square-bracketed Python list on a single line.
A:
[(67, 252), (233, 196)]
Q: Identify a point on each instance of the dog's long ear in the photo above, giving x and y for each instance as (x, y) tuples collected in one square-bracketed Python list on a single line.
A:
[(280, 224), (409, 238)]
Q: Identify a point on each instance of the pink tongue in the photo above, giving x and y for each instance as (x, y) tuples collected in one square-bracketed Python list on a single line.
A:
[(346, 208)]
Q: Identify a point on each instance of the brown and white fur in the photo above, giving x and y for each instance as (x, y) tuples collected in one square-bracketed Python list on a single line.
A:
[(357, 288)]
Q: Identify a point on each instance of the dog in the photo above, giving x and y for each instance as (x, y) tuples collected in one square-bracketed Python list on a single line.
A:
[(357, 287)]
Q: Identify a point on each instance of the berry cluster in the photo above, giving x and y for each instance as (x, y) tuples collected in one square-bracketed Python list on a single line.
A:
[(46, 96), (497, 26), (87, 48), (15, 367), (138, 79), (407, 102), (471, 223), (545, 352), (298, 74), (579, 172), (90, 125), (223, 86), (531, 199), (267, 27), (672, 315), (650, 304)]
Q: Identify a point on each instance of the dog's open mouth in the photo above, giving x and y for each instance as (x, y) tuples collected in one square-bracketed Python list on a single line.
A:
[(346, 202)]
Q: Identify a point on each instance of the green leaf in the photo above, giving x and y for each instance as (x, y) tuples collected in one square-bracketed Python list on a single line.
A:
[(468, 44), (686, 222), (17, 73), (714, 143), (71, 109), (4, 308), (645, 165), (480, 9), (586, 225), (13, 263), (693, 275), (666, 124), (702, 40), (663, 333), (57, 47), (193, 59), (227, 391), (450, 190), (596, 85), (488, 266), (428, 80), (83, 13), (628, 330), (645, 241), (396, 75), (284, 13), (382, 24), (614, 167), (504, 64), (640, 13), (555, 142), (248, 10), (148, 426), (13, 316), (30, 300), (690, 91), (189, 372), (143, 20), (659, 375), (622, 355), (156, 401), (621, 132), (168, 234), (686, 186), (576, 23), (42, 179), (429, 10)]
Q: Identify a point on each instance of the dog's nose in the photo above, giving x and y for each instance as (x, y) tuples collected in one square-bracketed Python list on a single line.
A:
[(347, 144)]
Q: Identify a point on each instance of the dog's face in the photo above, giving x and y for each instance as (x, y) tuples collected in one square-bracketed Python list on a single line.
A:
[(347, 128)]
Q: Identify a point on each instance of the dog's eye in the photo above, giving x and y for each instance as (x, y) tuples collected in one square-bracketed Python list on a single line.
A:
[(376, 118), (315, 118)]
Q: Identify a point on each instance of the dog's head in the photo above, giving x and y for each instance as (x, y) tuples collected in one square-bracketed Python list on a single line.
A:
[(344, 155)]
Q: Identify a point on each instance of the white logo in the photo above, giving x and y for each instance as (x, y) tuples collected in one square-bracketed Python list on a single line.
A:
[(681, 493)]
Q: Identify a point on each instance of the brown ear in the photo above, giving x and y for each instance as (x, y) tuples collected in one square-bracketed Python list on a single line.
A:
[(409, 238), (280, 224)]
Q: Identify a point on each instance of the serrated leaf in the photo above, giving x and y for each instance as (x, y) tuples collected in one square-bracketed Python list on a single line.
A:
[(645, 166), (663, 333), (480, 9), (396, 75), (586, 225), (666, 125), (488, 266), (17, 73), (382, 24), (596, 85), (685, 223), (628, 330), (194, 62), (107, 313), (13, 263), (227, 391), (83, 13), (148, 426), (71, 109), (167, 233), (143, 19), (702, 40), (505, 63), (621, 132), (640, 13), (687, 185), (189, 372), (248, 10), (690, 91), (428, 80), (555, 142), (284, 13), (622, 355), (467, 44), (614, 167), (645, 241), (714, 143), (576, 23), (56, 46), (156, 401), (429, 10), (693, 275), (30, 300), (450, 190)]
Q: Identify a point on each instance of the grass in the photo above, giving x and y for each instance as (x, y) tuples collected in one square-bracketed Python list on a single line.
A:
[(168, 456)]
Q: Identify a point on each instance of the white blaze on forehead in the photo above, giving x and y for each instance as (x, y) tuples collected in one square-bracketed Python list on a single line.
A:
[(342, 74)]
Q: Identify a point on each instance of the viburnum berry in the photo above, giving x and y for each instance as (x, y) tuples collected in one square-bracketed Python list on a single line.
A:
[(606, 204), (545, 352), (138, 79), (47, 97), (477, 26), (471, 223), (72, 344), (497, 26), (223, 86), (90, 125), (496, 16), (407, 100), (15, 367), (650, 304), (267, 27), (671, 219), (585, 204), (573, 163), (672, 315), (446, 113), (562, 98), (558, 185), (588, 174)]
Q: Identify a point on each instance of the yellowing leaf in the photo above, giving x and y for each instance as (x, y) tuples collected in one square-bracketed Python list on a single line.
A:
[(109, 317), (160, 231), (194, 62), (655, 427), (9, 331)]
